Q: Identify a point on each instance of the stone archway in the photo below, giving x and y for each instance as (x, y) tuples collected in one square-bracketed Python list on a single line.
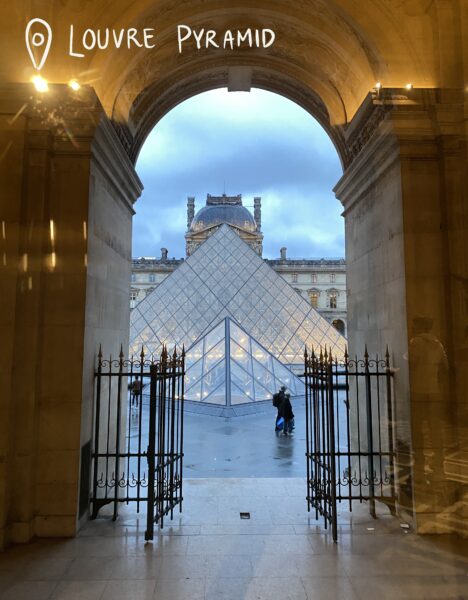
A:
[(339, 325), (67, 164)]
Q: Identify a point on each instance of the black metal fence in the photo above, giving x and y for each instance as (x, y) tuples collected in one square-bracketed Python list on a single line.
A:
[(349, 433), (138, 436)]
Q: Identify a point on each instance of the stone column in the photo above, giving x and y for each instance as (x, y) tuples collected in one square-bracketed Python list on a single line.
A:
[(407, 273), (258, 212), (66, 210), (190, 210)]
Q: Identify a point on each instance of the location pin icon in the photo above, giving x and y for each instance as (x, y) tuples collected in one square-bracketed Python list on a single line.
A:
[(38, 42)]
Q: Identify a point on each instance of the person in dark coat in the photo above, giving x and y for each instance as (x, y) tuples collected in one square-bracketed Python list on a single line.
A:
[(286, 411), (278, 400)]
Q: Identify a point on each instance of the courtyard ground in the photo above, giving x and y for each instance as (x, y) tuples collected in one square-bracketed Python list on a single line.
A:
[(209, 553)]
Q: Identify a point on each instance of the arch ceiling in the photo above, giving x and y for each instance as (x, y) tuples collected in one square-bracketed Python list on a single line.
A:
[(327, 56)]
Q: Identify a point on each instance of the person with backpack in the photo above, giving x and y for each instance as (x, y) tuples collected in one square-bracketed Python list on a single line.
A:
[(278, 399), (286, 412)]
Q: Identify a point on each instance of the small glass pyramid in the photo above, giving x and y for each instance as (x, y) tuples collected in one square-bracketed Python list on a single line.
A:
[(228, 367)]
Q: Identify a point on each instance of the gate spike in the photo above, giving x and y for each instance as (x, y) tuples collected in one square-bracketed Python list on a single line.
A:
[(366, 354), (142, 354)]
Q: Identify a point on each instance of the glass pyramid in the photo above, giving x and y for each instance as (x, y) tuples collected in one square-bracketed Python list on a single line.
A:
[(228, 367), (223, 278)]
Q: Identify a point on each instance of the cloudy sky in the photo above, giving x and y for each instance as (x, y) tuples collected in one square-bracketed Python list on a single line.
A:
[(255, 144)]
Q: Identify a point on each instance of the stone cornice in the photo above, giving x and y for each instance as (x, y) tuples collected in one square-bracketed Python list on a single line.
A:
[(110, 156)]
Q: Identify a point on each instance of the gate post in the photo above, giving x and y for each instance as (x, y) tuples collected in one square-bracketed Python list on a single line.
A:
[(370, 441), (332, 448), (149, 533), (307, 399)]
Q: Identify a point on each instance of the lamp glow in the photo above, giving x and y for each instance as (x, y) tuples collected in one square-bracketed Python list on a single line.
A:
[(378, 85), (40, 83), (75, 86), (409, 86)]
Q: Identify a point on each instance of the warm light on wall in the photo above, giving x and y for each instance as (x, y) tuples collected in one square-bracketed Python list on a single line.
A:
[(52, 231), (378, 85), (40, 83), (409, 86), (75, 86)]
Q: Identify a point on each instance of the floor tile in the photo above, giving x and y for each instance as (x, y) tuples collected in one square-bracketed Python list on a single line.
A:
[(180, 589), (411, 588), (131, 589), (28, 590), (79, 590), (331, 588)]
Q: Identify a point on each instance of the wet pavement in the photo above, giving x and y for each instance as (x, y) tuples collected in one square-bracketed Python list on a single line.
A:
[(244, 446)]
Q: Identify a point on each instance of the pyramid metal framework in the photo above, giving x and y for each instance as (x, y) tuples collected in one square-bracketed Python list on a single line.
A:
[(228, 367), (223, 278)]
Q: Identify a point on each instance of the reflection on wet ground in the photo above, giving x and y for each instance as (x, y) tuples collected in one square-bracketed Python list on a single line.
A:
[(241, 446), (209, 553)]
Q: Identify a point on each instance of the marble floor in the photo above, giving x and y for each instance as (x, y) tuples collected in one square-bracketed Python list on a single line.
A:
[(209, 553)]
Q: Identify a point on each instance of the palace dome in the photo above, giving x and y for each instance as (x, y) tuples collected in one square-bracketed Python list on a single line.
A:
[(221, 210)]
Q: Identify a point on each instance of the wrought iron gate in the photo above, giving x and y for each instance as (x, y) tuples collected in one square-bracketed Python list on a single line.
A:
[(138, 435), (349, 433)]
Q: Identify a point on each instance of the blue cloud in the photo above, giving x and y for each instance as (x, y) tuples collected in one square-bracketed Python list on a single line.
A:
[(257, 144)]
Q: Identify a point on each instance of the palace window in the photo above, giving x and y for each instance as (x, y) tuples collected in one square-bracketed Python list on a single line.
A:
[(313, 277), (133, 297), (332, 277), (314, 297), (294, 277), (152, 278), (133, 277), (332, 300)]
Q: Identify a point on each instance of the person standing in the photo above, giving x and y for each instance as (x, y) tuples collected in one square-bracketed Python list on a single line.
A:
[(278, 400), (286, 412)]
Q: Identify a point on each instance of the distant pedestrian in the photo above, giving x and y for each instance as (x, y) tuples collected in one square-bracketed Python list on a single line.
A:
[(278, 400), (286, 412), (135, 390)]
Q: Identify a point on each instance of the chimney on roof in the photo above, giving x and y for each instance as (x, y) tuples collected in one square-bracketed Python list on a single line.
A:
[(190, 210), (258, 212), (163, 253), (283, 253)]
